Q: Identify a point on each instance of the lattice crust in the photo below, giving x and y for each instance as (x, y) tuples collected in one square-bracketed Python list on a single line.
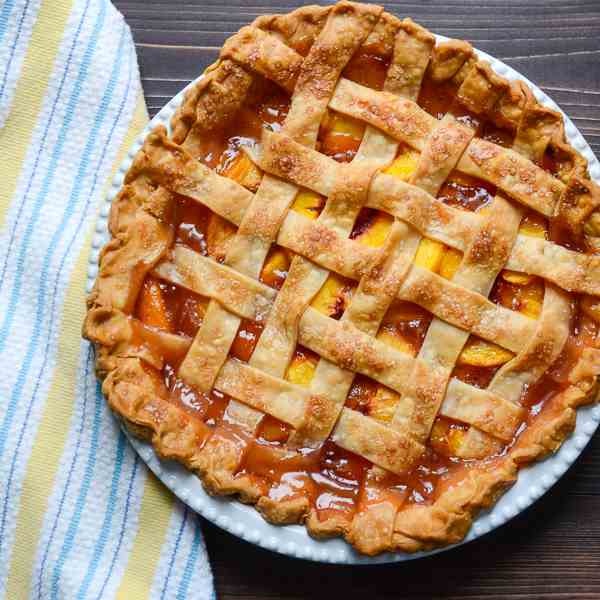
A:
[(305, 53)]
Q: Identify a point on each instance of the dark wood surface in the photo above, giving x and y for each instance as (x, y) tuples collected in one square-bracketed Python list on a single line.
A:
[(553, 549)]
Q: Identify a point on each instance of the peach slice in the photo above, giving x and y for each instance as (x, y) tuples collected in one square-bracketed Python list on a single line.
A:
[(376, 231), (456, 438), (341, 136), (333, 296), (533, 225), (450, 262), (219, 234), (438, 257), (302, 368), (429, 254), (382, 404), (344, 125), (445, 438), (246, 339), (403, 326), (532, 297), (244, 171), (404, 165), (273, 430), (394, 339), (308, 203), (516, 277), (481, 353), (439, 436), (526, 295), (526, 299), (276, 267), (152, 306)]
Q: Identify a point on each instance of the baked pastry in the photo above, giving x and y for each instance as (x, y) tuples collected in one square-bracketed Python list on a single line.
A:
[(358, 282)]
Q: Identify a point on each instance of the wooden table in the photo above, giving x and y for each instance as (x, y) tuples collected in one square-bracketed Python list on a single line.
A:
[(553, 549)]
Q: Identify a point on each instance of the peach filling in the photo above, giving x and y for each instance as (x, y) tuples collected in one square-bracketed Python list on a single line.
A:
[(335, 480)]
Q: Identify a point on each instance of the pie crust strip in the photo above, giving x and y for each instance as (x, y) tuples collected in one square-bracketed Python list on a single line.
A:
[(181, 174), (346, 27), (242, 295), (340, 343), (435, 163), (430, 216), (404, 120), (443, 342), (542, 348), (262, 219), (347, 190)]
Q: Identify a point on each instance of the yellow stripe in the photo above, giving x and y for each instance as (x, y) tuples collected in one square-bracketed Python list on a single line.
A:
[(48, 448), (29, 94), (155, 513)]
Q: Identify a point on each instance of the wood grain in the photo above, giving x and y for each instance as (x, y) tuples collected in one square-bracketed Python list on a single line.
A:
[(553, 549)]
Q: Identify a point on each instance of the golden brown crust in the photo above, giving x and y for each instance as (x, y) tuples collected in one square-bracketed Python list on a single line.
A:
[(383, 446), (482, 89), (284, 512), (372, 528), (521, 179), (210, 103), (411, 53), (347, 26), (264, 54), (142, 234), (448, 59), (449, 518), (297, 29), (580, 200), (135, 395)]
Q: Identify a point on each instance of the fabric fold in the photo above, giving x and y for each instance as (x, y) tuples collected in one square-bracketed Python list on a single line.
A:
[(81, 516)]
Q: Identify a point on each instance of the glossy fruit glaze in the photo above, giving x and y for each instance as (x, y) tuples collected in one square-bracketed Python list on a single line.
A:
[(337, 481)]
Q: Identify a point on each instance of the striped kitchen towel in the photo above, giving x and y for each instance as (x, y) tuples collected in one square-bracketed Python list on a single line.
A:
[(80, 515)]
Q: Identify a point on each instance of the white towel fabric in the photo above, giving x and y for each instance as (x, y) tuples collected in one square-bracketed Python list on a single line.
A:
[(80, 514)]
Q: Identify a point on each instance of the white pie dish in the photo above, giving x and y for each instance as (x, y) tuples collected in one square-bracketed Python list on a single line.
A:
[(293, 540)]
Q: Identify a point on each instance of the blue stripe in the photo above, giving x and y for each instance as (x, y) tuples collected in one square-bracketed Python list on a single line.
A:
[(174, 552), (88, 474), (88, 369), (11, 409), (184, 584), (42, 291), (7, 8), (83, 212), (104, 535), (91, 139), (46, 350), (108, 516), (14, 45), (42, 147), (40, 202), (123, 527)]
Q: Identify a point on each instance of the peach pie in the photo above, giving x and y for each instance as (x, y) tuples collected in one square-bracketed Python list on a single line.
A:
[(357, 282)]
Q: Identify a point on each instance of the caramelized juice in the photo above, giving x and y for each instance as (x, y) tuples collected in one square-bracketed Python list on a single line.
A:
[(332, 478), (466, 192)]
